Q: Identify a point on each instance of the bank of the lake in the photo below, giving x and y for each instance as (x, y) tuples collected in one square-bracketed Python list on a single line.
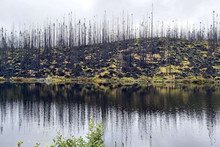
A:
[(143, 80)]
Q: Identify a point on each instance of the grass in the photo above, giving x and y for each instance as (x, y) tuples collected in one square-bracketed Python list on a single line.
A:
[(24, 80), (99, 80), (144, 79), (113, 81), (3, 79), (127, 81), (157, 79)]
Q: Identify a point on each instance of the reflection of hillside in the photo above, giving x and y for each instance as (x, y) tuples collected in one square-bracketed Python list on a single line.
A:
[(120, 109)]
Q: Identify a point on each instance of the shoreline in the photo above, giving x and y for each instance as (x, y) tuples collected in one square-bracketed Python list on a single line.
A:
[(114, 80)]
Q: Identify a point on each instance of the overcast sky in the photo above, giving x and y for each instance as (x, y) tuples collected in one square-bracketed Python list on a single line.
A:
[(20, 12)]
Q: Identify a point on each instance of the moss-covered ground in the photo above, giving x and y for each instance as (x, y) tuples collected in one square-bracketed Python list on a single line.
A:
[(124, 62)]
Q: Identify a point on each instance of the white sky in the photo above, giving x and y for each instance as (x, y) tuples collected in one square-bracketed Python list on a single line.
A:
[(19, 12)]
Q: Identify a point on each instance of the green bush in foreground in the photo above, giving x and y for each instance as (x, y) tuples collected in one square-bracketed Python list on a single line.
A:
[(94, 138)]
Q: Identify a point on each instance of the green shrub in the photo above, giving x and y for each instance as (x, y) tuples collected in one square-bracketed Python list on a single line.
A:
[(94, 138)]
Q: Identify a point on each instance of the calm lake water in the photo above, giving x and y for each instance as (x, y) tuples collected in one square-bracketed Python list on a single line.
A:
[(133, 115)]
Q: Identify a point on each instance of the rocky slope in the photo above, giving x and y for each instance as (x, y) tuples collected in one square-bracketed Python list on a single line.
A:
[(160, 57)]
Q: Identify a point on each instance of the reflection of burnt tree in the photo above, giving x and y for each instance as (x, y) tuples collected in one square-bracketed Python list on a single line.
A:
[(210, 115)]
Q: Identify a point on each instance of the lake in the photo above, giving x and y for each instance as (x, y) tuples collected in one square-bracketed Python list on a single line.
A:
[(168, 116)]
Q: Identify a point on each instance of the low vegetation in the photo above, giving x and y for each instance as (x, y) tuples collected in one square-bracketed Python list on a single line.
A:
[(93, 139)]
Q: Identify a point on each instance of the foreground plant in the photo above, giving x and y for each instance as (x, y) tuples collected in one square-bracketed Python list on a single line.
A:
[(94, 138)]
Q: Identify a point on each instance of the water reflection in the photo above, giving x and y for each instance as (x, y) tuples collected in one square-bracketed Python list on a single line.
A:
[(133, 115)]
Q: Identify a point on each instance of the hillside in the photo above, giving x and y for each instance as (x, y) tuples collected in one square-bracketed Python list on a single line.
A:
[(176, 58)]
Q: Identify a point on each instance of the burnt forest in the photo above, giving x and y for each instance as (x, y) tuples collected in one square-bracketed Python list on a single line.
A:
[(110, 47)]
